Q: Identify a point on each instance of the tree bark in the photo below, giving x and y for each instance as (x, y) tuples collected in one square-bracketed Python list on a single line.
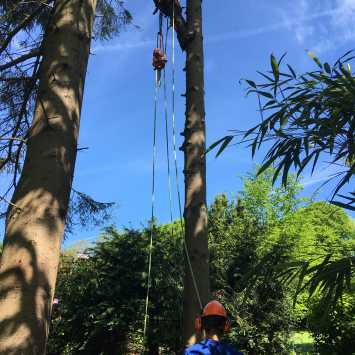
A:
[(190, 38), (195, 212), (36, 217)]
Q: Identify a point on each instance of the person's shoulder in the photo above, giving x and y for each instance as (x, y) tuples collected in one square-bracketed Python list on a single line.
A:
[(231, 350), (193, 349)]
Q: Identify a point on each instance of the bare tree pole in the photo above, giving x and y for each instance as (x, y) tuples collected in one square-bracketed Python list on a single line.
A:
[(36, 216), (194, 146), (195, 211)]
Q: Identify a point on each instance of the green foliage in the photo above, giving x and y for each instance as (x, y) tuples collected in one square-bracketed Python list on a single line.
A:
[(92, 293), (305, 116), (85, 212), (252, 242), (251, 239), (102, 298), (323, 261), (241, 234), (335, 335), (302, 343), (111, 18), (23, 26)]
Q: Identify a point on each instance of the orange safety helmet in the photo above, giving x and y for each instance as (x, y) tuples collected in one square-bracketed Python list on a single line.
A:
[(213, 308)]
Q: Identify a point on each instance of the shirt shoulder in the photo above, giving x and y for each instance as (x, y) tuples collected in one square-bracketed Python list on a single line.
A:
[(197, 349), (230, 350), (208, 348)]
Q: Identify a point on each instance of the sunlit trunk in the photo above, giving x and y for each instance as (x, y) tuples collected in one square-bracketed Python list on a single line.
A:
[(195, 213), (35, 220)]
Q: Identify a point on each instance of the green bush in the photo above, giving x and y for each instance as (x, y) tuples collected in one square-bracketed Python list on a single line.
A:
[(102, 298), (334, 332)]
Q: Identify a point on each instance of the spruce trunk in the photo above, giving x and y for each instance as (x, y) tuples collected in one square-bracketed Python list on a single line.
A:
[(35, 219), (195, 212)]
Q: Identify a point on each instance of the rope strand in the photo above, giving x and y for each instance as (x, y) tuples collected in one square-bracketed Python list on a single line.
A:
[(167, 141), (160, 44), (152, 207)]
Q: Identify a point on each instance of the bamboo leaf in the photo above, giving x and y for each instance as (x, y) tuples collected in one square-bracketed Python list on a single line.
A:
[(224, 145), (275, 68), (266, 165), (265, 94), (251, 83), (215, 144), (286, 169), (253, 147), (317, 61), (292, 71), (266, 76), (282, 57), (315, 161), (327, 68)]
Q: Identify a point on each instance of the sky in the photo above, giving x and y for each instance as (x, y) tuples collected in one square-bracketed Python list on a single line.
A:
[(117, 115)]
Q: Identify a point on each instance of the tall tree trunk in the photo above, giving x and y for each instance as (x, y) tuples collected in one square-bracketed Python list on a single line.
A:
[(36, 218), (195, 212)]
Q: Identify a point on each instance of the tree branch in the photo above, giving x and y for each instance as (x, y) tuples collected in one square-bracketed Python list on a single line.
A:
[(22, 25), (166, 8), (20, 59), (14, 78), (13, 139), (10, 203), (15, 130)]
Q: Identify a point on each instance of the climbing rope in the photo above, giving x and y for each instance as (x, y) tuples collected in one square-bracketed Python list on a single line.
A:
[(167, 140), (159, 49), (157, 84), (159, 61)]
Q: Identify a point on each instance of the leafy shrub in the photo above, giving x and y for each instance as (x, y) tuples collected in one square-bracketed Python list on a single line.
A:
[(102, 298), (334, 332)]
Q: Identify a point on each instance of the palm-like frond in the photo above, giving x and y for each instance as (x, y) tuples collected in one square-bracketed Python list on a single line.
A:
[(330, 277), (305, 117)]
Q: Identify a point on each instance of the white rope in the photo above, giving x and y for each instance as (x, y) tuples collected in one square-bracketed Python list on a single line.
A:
[(157, 86), (167, 142), (153, 207)]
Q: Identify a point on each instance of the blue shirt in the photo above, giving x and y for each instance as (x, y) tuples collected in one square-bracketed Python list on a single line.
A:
[(211, 347)]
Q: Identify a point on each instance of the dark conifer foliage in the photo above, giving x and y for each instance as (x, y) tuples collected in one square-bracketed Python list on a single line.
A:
[(22, 31)]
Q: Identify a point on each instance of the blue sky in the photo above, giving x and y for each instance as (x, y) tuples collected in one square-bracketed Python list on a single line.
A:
[(239, 37)]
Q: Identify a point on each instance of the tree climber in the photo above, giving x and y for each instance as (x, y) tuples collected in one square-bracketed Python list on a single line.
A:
[(214, 322)]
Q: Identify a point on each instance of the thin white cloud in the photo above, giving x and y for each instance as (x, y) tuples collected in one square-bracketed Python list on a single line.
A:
[(132, 38), (337, 28), (300, 20), (121, 47), (315, 180), (325, 174), (287, 22)]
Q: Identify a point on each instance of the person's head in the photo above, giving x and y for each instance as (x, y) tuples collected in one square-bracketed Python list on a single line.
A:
[(213, 320), (214, 325)]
